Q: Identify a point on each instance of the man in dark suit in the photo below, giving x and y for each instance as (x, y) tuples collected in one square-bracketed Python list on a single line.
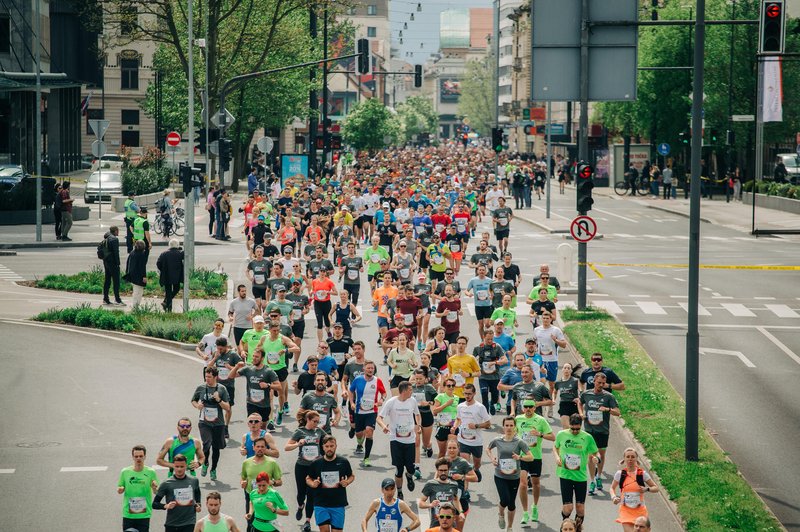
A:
[(111, 264), (170, 267)]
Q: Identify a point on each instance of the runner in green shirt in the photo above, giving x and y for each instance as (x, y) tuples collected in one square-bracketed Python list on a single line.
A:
[(508, 315), (275, 346), (265, 505), (137, 485), (572, 450), (445, 411), (532, 429), (251, 338)]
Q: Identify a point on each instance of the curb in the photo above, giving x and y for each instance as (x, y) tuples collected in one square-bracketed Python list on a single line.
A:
[(680, 213), (542, 226), (52, 245), (8, 253)]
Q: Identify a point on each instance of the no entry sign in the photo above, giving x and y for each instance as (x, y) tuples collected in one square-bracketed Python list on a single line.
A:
[(174, 138)]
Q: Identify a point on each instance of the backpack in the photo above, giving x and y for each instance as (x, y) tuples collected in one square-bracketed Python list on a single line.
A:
[(102, 249), (624, 474)]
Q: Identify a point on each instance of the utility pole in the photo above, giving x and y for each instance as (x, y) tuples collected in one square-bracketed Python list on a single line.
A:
[(496, 94), (188, 241), (325, 133), (583, 139), (38, 112), (313, 100)]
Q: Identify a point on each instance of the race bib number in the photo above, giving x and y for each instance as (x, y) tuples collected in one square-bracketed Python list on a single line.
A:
[(461, 225), (452, 316), (632, 499), (259, 278), (297, 314), (444, 419), (572, 462), (482, 295), (256, 395), (467, 434), (595, 417), (455, 247), (488, 367), (387, 525), (338, 357), (352, 274), (224, 373), (438, 259), (137, 505), (321, 294), (439, 228), (375, 258), (284, 320), (310, 452), (420, 397), (183, 496), (210, 413), (509, 331), (408, 319), (508, 466), (530, 439), (329, 479), (367, 403), (323, 419), (502, 221), (404, 273), (273, 358), (460, 380), (403, 430)]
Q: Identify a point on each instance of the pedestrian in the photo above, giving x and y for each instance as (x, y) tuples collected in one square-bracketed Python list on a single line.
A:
[(182, 494), (57, 206), (111, 264), (136, 271), (737, 184), (137, 483), (170, 267), (215, 521), (632, 482), (388, 510), (211, 208), (131, 211), (252, 180), (329, 478), (666, 179), (224, 206), (66, 211), (211, 399)]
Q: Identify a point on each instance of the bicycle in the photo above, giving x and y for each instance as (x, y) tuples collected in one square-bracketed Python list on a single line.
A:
[(623, 187), (175, 226)]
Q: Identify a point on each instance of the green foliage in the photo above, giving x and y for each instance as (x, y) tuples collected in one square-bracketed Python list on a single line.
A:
[(189, 327), (368, 123), (477, 95), (203, 283), (591, 313), (770, 188), (710, 494), (145, 179), (416, 115)]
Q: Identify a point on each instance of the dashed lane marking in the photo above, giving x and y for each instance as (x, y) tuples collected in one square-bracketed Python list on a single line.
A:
[(7, 471), (738, 310), (86, 469), (782, 311)]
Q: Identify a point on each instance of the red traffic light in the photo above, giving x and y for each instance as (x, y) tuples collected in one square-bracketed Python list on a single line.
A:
[(773, 10), (585, 172)]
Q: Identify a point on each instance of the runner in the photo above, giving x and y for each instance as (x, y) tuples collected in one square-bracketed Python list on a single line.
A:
[(437, 254), (251, 338), (567, 389), (402, 413), (215, 521), (211, 399), (322, 288), (388, 511), (380, 301), (424, 393), (490, 356), (273, 345), (137, 483), (549, 338), (255, 466), (206, 347), (373, 256), (531, 429), (447, 514), (321, 402), (182, 496), (257, 273), (254, 422), (368, 393), (351, 267), (504, 314), (260, 380), (540, 306), (461, 366), (439, 491), (596, 406), (501, 220), (307, 439), (345, 314), (613, 382), (265, 505), (409, 307), (353, 368), (632, 482), (478, 288), (182, 444), (301, 306), (224, 360), (240, 313), (471, 418), (456, 243), (402, 361), (449, 310), (572, 450), (510, 451), (330, 478), (461, 471), (528, 388)]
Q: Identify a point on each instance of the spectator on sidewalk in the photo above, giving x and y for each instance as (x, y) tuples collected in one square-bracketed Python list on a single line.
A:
[(111, 264), (66, 211), (170, 267), (666, 179), (131, 211), (57, 212), (136, 271)]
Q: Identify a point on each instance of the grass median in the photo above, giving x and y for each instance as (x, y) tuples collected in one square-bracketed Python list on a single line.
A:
[(203, 284), (145, 320), (710, 494)]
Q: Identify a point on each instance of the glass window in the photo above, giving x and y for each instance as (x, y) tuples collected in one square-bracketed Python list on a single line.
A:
[(129, 74), (372, 31), (5, 34), (372, 9), (130, 117)]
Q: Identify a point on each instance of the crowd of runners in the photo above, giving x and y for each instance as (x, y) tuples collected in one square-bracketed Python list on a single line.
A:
[(379, 245)]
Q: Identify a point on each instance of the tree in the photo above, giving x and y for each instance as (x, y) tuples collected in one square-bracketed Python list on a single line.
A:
[(477, 95), (368, 124), (416, 115)]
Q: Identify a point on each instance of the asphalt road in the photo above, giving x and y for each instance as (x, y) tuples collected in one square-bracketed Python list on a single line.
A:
[(103, 396)]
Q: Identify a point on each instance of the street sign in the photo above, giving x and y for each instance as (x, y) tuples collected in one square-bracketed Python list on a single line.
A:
[(173, 149), (265, 144), (98, 148), (663, 149), (583, 228), (173, 138), (99, 127), (223, 119), (743, 118)]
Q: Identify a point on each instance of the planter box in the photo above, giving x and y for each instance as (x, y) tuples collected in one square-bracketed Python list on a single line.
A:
[(145, 200), (772, 202), (29, 217)]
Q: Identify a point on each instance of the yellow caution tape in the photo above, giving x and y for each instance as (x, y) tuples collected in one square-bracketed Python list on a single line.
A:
[(593, 265), (595, 270)]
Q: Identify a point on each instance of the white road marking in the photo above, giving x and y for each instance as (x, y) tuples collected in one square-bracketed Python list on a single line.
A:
[(701, 310), (624, 235), (780, 345), (619, 276), (783, 311), (87, 469), (609, 306), (662, 324), (738, 354), (651, 307), (738, 310), (679, 280), (618, 216), (638, 296), (763, 298), (721, 297), (7, 471), (678, 297)]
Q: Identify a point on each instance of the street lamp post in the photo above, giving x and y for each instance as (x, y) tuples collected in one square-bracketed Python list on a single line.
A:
[(188, 241)]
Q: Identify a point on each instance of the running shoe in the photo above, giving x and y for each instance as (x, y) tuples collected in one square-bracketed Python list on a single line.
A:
[(204, 470), (213, 474), (294, 368), (352, 433), (400, 495), (298, 515), (501, 522), (525, 518), (417, 473), (359, 449), (410, 481), (270, 425), (599, 483), (306, 527), (592, 486), (429, 452), (286, 409), (535, 514), (366, 463), (279, 418)]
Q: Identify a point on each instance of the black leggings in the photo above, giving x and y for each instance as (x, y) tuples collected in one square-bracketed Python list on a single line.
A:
[(353, 290), (211, 220), (322, 310), (507, 490), (489, 388), (212, 436), (304, 494)]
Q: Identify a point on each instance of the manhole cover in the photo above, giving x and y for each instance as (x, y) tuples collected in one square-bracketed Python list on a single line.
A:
[(38, 444)]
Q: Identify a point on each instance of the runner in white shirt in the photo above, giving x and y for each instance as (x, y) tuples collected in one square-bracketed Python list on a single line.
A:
[(402, 413), (492, 196), (549, 338), (470, 419)]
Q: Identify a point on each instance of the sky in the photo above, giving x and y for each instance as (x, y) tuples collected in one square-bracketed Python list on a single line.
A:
[(424, 29)]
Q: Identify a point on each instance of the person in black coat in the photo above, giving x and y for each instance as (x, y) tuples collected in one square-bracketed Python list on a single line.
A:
[(136, 270), (111, 264), (170, 267)]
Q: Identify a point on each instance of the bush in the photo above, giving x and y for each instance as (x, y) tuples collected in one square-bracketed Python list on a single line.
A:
[(771, 188), (145, 179)]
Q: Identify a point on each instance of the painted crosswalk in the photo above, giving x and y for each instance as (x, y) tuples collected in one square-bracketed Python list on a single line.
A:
[(8, 275), (708, 238)]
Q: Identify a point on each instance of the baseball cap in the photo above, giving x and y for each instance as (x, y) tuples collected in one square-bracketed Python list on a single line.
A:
[(387, 483), (499, 320), (258, 319), (528, 402), (296, 281), (386, 205), (261, 217), (281, 289), (339, 325), (288, 249), (345, 208), (530, 341)]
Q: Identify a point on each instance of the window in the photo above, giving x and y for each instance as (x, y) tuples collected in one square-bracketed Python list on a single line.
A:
[(128, 18), (129, 138), (5, 34), (130, 117), (372, 31), (129, 71), (352, 10), (372, 9)]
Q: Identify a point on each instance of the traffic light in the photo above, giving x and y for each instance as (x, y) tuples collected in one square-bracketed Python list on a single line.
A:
[(190, 177), (730, 137), (585, 186), (773, 24), (497, 139), (204, 137), (363, 56), (713, 136), (526, 113), (417, 76), (225, 154), (684, 137)]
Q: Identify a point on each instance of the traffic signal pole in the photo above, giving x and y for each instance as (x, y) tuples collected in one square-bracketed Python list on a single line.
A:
[(188, 202), (583, 139)]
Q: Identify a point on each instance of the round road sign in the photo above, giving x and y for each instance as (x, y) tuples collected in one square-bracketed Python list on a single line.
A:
[(583, 228), (173, 138), (265, 144)]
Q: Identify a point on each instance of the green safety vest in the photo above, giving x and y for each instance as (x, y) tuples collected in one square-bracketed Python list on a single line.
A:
[(138, 228), (130, 212)]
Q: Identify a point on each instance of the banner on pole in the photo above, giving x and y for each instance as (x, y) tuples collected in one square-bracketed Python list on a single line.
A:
[(772, 90)]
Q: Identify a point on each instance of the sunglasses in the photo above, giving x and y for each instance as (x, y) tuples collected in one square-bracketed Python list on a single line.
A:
[(253, 421), (442, 516), (449, 385), (597, 360), (184, 426)]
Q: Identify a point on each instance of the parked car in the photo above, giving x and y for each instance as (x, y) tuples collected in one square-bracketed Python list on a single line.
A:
[(792, 163), (111, 186), (10, 175), (109, 162), (86, 162)]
